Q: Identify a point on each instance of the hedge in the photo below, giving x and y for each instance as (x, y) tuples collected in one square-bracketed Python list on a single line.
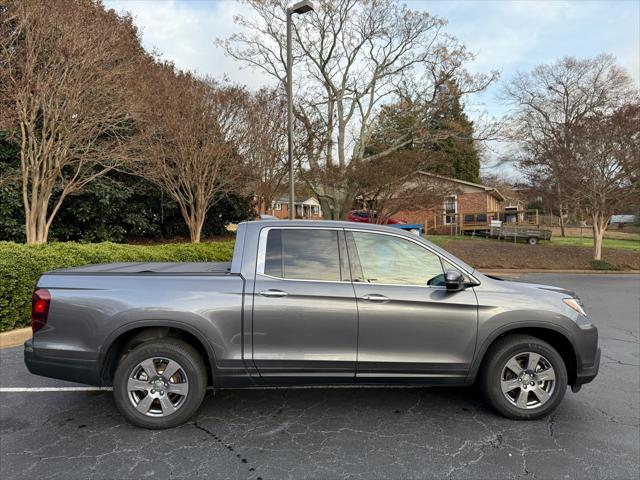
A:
[(21, 265)]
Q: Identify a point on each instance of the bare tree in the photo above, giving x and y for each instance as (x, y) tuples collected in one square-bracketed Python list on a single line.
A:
[(351, 55), (607, 167), (65, 73), (265, 147), (190, 130), (550, 102), (387, 189)]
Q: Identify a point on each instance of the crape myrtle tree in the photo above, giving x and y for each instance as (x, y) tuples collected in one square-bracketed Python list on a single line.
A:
[(606, 170), (189, 133), (350, 56), (549, 103), (264, 148), (65, 71)]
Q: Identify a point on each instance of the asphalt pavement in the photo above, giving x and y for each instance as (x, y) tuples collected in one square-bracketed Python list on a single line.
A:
[(345, 433)]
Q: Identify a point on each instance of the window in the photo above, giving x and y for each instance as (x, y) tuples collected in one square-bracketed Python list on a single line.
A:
[(450, 209), (394, 260), (310, 254), (278, 206)]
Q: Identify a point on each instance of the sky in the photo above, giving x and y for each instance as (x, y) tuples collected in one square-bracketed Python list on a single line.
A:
[(507, 36)]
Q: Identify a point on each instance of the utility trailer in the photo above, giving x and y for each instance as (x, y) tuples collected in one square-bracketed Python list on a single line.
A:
[(531, 235)]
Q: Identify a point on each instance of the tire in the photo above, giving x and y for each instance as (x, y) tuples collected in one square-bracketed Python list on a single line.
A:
[(175, 399), (532, 241), (527, 396)]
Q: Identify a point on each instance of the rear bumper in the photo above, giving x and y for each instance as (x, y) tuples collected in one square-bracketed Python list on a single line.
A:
[(62, 368)]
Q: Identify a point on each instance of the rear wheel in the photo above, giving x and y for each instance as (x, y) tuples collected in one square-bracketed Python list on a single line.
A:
[(532, 240), (160, 383), (523, 378)]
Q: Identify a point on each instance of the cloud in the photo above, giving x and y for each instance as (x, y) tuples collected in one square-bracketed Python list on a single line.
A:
[(185, 32)]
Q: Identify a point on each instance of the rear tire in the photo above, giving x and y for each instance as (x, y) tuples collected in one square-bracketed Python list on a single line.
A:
[(532, 241), (148, 398), (523, 377)]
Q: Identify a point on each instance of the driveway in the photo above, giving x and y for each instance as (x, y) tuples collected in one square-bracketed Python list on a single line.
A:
[(345, 433)]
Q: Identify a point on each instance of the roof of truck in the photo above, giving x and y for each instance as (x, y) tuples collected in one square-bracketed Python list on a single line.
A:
[(324, 224)]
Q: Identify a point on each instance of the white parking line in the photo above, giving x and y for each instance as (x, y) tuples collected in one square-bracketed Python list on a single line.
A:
[(54, 389), (262, 387)]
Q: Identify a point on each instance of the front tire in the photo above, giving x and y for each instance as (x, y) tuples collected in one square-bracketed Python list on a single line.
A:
[(160, 384), (523, 377)]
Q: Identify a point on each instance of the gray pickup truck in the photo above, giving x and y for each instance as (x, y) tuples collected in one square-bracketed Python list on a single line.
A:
[(308, 303)]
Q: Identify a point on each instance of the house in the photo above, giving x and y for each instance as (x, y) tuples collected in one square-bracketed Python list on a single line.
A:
[(467, 206), (307, 208)]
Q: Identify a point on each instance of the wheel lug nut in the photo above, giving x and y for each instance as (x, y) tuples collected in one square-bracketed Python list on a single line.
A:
[(153, 391), (161, 392)]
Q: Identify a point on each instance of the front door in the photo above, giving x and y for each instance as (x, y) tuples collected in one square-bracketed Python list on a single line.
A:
[(410, 326), (305, 316)]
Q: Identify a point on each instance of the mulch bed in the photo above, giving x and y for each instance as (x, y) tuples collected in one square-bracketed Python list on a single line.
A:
[(494, 254)]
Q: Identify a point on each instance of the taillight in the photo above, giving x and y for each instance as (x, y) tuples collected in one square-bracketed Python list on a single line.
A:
[(39, 308)]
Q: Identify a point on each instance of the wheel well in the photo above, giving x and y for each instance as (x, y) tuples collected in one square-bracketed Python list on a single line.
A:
[(132, 338), (553, 338)]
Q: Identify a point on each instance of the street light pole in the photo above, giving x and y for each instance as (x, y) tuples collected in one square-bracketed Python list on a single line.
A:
[(299, 8)]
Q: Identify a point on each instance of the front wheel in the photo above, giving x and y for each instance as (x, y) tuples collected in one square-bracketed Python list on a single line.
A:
[(523, 378), (160, 384)]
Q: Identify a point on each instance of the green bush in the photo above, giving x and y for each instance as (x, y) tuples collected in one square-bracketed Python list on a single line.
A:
[(21, 265), (602, 265)]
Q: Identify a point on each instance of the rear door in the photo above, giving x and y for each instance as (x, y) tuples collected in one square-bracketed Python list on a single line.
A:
[(305, 317), (410, 326)]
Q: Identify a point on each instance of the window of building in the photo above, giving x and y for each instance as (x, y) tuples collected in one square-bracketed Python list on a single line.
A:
[(450, 209)]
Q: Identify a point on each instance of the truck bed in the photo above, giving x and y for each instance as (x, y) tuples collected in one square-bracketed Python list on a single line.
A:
[(170, 268)]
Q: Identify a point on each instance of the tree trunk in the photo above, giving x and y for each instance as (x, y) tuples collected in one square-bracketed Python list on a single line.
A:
[(36, 222), (600, 222)]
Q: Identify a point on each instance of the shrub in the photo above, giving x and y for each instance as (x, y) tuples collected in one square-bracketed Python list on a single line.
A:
[(602, 265), (21, 265)]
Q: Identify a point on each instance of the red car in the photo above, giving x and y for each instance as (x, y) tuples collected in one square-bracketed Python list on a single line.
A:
[(362, 216)]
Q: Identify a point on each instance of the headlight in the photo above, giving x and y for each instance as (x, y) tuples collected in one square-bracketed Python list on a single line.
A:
[(575, 304)]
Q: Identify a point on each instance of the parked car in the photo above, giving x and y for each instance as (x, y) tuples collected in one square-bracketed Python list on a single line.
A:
[(309, 303), (364, 216)]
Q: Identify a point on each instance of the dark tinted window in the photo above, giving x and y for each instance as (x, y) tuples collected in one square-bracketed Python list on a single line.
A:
[(311, 254), (273, 254)]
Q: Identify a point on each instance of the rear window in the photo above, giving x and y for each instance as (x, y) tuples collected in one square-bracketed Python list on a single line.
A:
[(303, 254)]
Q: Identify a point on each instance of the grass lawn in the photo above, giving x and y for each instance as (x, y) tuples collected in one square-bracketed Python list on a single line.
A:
[(588, 242), (623, 244)]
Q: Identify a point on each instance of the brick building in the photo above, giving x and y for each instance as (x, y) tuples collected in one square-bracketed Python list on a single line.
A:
[(466, 204), (306, 208)]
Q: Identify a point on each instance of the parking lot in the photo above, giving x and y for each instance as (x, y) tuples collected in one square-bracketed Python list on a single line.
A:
[(340, 432)]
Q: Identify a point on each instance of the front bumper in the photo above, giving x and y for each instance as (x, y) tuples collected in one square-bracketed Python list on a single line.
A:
[(588, 372), (62, 368)]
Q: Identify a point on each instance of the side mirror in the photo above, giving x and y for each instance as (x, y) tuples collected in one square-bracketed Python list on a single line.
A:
[(454, 280)]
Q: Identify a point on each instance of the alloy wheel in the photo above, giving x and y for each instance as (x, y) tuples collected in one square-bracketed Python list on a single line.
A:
[(158, 387), (528, 380)]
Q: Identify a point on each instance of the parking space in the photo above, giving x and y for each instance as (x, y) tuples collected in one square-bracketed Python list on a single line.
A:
[(354, 433)]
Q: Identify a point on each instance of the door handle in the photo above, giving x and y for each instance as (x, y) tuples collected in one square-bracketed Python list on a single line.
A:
[(375, 297), (273, 293)]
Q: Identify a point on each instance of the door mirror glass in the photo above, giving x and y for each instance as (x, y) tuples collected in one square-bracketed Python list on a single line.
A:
[(454, 280)]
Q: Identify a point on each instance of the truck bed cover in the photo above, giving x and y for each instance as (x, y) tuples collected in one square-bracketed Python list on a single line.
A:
[(219, 268)]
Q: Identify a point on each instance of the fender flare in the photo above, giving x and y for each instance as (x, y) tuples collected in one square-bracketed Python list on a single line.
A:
[(113, 336), (504, 329)]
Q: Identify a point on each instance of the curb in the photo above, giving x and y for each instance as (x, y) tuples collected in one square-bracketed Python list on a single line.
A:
[(14, 338)]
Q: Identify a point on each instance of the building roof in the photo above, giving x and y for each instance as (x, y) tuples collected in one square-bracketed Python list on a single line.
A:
[(299, 200), (490, 190)]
